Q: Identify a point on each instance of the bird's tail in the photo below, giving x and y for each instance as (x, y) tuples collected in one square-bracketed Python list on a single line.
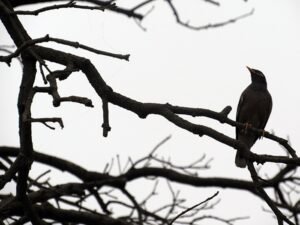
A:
[(240, 161), (248, 140)]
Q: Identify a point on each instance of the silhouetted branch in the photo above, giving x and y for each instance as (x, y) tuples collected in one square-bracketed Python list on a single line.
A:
[(33, 199), (189, 209), (47, 38), (207, 26), (70, 4), (140, 5), (264, 195), (261, 159), (46, 120), (119, 10), (96, 179), (105, 125)]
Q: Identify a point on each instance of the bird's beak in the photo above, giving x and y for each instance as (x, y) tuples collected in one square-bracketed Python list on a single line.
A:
[(250, 70)]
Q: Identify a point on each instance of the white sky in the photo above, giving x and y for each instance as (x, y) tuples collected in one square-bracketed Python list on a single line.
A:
[(168, 63)]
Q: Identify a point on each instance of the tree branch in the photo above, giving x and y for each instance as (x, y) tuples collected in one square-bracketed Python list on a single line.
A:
[(70, 4)]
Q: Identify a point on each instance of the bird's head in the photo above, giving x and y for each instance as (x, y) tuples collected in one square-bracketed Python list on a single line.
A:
[(257, 76)]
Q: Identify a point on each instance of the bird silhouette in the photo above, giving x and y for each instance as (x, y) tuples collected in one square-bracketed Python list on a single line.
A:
[(254, 109)]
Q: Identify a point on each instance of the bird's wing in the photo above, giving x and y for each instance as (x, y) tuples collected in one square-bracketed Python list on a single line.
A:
[(238, 112), (267, 112)]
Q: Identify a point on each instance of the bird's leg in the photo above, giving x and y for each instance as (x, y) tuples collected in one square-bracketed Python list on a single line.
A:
[(247, 125)]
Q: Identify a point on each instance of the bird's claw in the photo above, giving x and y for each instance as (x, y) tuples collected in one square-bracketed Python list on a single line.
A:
[(247, 125)]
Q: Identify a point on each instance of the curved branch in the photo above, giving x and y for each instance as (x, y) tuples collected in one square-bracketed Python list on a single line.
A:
[(167, 111), (132, 174), (58, 163), (207, 26)]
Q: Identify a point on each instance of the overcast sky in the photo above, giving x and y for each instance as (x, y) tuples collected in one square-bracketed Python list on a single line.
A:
[(168, 63)]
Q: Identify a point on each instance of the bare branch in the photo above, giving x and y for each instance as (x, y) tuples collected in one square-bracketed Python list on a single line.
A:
[(47, 38), (70, 4), (207, 26), (264, 195), (189, 209), (105, 125), (33, 199), (46, 120)]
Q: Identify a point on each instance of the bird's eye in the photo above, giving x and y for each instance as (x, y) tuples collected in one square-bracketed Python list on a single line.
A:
[(259, 73)]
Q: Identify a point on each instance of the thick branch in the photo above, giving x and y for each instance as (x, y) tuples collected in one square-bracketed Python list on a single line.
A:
[(73, 216), (261, 159)]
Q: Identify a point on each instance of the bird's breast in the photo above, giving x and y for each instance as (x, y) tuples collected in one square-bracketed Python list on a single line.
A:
[(254, 108)]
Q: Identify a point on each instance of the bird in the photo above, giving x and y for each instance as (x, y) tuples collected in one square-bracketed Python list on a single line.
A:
[(254, 109)]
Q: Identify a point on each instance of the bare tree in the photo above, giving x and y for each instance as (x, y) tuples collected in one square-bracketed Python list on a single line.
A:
[(39, 202)]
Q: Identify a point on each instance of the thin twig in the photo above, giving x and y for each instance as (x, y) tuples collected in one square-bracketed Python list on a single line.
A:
[(47, 38), (191, 208), (47, 120), (207, 26)]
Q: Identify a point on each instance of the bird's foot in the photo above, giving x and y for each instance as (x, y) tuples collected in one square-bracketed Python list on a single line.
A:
[(247, 125)]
